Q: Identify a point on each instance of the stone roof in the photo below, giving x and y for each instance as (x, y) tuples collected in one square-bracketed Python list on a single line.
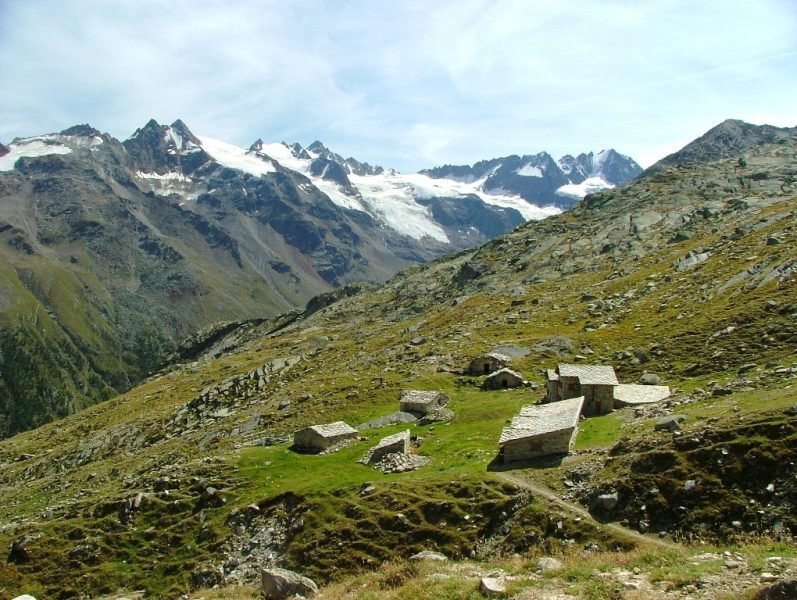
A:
[(589, 374), (419, 396), (333, 429), (392, 439), (505, 370), (552, 375), (630, 393), (539, 419)]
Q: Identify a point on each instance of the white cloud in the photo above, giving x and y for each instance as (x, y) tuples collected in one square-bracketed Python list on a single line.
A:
[(406, 84)]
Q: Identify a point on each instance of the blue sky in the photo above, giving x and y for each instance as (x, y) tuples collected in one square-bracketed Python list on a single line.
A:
[(406, 84)]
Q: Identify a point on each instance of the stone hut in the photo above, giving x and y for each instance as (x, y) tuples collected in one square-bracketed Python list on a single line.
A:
[(317, 438), (398, 443), (541, 429), (552, 385), (503, 379), (595, 383), (488, 363), (421, 403)]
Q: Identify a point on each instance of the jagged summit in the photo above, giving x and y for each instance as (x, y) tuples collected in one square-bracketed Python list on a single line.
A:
[(160, 148), (84, 130), (729, 139)]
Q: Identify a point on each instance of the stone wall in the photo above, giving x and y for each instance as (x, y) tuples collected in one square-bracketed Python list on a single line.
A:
[(557, 442)]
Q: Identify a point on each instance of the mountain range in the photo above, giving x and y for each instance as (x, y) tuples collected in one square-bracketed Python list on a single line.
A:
[(115, 251), (686, 276)]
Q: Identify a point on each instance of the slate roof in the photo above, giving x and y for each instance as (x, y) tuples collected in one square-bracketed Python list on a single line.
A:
[(333, 429), (505, 370), (552, 375), (539, 419), (419, 396), (589, 374), (630, 393)]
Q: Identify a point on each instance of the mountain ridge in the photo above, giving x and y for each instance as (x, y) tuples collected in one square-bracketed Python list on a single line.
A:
[(165, 233)]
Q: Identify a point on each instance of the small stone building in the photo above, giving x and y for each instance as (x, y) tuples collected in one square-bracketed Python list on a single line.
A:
[(541, 429), (317, 438), (421, 402), (595, 383), (503, 379), (488, 363), (398, 443)]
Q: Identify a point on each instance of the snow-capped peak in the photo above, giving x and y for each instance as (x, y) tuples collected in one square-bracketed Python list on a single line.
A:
[(234, 157)]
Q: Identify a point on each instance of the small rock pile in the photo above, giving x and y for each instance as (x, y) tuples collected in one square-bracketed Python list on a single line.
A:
[(400, 463)]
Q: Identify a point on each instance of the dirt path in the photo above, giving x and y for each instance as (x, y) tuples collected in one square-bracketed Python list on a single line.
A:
[(546, 492)]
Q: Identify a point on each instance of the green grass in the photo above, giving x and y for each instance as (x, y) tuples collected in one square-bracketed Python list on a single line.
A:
[(599, 431)]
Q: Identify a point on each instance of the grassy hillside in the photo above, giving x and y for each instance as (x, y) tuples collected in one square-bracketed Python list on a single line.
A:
[(188, 481)]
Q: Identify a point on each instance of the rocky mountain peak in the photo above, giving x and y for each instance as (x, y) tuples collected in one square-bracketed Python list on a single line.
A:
[(4, 149), (318, 148), (161, 148), (729, 139), (84, 130), (180, 129)]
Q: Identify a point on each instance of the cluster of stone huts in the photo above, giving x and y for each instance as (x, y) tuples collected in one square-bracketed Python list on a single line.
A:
[(318, 439), (571, 391), (499, 375), (538, 430)]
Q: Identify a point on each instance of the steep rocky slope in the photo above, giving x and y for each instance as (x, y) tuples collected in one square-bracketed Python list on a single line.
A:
[(188, 480)]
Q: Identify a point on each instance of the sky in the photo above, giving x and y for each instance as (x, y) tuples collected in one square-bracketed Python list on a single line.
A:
[(405, 84)]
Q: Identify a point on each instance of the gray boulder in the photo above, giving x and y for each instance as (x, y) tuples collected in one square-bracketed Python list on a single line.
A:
[(650, 379), (669, 423), (492, 586), (547, 563), (606, 501), (277, 584), (429, 555)]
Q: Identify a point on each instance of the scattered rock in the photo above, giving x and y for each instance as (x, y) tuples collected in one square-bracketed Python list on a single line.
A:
[(554, 346), (650, 379), (429, 555), (606, 501), (546, 563), (276, 584), (669, 423), (207, 577), (19, 551), (492, 586), (440, 415), (400, 463), (25, 597)]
